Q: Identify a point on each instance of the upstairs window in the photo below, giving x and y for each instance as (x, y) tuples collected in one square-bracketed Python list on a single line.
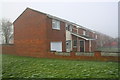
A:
[(55, 24), (84, 32), (68, 27), (96, 36)]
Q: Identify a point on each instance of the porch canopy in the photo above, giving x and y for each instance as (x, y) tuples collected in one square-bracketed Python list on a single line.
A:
[(83, 36)]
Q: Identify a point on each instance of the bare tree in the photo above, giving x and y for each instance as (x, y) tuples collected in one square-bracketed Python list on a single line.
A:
[(6, 30)]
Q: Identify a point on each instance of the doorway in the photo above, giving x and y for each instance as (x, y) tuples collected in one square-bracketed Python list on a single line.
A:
[(82, 46)]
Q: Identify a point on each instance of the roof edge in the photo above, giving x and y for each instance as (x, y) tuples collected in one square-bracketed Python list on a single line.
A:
[(19, 15), (82, 37), (54, 17)]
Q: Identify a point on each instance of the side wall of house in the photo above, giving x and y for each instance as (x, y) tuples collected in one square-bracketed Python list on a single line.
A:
[(93, 44), (86, 46), (30, 34), (54, 35)]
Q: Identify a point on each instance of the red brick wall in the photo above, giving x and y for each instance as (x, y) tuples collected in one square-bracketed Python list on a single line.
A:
[(54, 35), (8, 49), (86, 46), (30, 34), (74, 29), (96, 57), (90, 34), (80, 31), (93, 43)]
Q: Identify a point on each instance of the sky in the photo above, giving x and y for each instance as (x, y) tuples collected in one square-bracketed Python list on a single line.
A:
[(97, 15)]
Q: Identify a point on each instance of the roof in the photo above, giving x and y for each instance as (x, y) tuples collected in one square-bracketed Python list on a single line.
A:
[(78, 26), (54, 17), (83, 36)]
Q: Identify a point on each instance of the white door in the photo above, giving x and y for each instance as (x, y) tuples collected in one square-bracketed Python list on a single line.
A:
[(56, 46), (68, 45)]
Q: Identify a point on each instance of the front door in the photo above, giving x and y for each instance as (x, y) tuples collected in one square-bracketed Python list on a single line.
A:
[(82, 46), (68, 45)]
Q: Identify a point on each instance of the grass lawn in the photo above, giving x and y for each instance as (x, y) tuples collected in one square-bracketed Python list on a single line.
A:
[(28, 67)]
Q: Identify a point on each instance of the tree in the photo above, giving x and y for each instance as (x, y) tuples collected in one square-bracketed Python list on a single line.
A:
[(6, 30)]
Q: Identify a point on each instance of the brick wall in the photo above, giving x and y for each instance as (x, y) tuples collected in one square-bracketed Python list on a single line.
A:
[(8, 49), (54, 35), (97, 57), (80, 31), (33, 33), (30, 34)]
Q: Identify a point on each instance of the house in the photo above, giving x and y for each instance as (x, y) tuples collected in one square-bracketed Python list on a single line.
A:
[(102, 40), (38, 33)]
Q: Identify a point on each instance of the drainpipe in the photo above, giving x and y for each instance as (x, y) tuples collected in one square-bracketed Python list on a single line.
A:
[(77, 44)]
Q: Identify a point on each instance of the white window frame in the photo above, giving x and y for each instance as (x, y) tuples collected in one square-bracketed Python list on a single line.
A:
[(52, 49), (55, 24), (96, 36), (70, 27), (84, 32)]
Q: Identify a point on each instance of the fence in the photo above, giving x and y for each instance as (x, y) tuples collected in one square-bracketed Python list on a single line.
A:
[(84, 54), (110, 54), (102, 53), (76, 53), (62, 53), (96, 56)]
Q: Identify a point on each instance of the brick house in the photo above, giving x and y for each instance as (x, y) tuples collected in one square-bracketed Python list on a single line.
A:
[(38, 33)]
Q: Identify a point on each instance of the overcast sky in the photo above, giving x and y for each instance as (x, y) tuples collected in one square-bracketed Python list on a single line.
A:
[(97, 15)]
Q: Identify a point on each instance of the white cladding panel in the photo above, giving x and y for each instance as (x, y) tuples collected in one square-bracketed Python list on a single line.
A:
[(68, 35)]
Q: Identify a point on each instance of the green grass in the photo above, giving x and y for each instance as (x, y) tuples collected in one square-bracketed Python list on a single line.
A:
[(28, 67)]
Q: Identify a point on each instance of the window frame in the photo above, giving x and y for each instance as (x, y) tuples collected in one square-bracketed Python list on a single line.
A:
[(55, 24), (84, 32), (96, 36), (69, 27), (56, 49), (74, 43)]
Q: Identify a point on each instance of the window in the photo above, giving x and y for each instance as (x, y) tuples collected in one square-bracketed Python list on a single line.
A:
[(84, 32), (96, 36), (56, 46), (68, 27), (75, 43), (55, 24)]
